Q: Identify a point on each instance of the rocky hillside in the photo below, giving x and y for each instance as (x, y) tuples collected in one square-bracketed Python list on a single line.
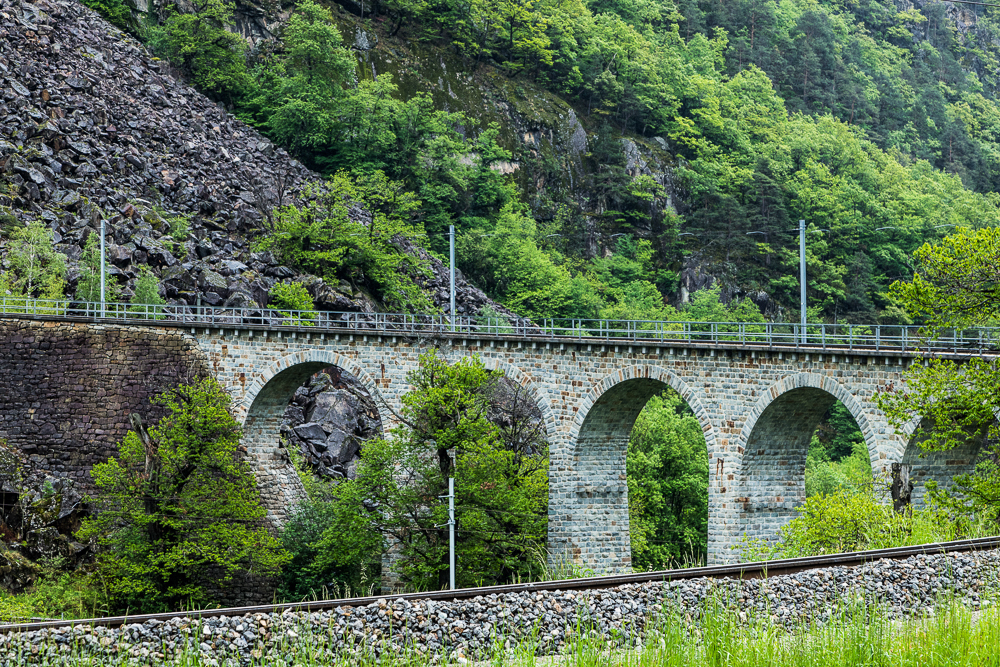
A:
[(92, 125)]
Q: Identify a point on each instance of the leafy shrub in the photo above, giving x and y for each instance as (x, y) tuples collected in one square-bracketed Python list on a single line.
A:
[(295, 298), (291, 296), (147, 293), (858, 520), (116, 12), (178, 505), (851, 473), (199, 44), (56, 593)]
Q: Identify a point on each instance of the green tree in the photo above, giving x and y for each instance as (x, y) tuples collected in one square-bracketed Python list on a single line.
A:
[(147, 295), (667, 472), (179, 507), (501, 486), (37, 270), (198, 43), (955, 284), (300, 87), (88, 285)]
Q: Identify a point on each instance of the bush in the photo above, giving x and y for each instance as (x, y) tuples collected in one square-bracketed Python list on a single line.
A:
[(178, 505), (147, 293), (55, 594), (116, 12), (858, 520)]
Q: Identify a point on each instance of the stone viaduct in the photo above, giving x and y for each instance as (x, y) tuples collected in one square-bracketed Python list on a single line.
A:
[(758, 406)]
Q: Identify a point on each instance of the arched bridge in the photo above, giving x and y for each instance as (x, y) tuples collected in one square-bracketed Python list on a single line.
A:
[(758, 390)]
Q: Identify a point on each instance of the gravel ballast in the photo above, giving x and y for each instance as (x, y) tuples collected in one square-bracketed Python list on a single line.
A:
[(547, 618)]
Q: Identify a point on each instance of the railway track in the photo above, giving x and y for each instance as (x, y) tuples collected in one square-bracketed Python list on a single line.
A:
[(740, 571)]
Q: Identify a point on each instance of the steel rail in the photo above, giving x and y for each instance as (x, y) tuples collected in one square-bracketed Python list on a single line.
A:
[(756, 570)]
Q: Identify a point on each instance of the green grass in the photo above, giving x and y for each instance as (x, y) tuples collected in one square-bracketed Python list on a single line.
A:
[(716, 635)]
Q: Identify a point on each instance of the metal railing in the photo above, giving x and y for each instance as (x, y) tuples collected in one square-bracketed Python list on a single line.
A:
[(833, 337)]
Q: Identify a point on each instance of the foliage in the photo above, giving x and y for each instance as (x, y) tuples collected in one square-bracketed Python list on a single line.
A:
[(180, 227), (877, 129), (293, 297), (117, 12), (857, 520), (312, 572), (667, 471), (147, 293), (298, 100), (320, 237), (56, 593), (198, 43), (956, 282), (825, 476), (88, 285), (37, 270), (501, 487), (956, 402), (179, 507)]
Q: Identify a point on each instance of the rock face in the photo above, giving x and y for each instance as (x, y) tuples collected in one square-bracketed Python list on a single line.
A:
[(39, 515), (328, 421), (67, 390), (92, 125)]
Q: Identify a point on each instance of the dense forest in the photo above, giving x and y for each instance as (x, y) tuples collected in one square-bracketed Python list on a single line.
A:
[(875, 123)]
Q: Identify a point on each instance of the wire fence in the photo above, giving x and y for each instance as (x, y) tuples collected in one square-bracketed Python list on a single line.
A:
[(842, 337)]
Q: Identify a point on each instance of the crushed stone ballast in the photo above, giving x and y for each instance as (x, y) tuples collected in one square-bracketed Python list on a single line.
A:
[(741, 571)]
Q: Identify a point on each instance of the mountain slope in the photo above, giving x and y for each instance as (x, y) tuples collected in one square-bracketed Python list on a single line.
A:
[(92, 125)]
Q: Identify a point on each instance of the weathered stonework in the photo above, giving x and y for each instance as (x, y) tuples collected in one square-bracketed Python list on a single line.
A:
[(758, 410), (66, 389), (757, 407)]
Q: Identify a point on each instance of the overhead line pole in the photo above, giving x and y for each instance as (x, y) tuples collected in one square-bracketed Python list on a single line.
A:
[(802, 275), (451, 532), (103, 307), (451, 264)]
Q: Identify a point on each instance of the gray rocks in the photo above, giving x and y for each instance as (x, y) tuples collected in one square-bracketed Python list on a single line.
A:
[(328, 420), (473, 628)]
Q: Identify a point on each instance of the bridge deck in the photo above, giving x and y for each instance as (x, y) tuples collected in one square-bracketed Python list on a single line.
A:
[(878, 340)]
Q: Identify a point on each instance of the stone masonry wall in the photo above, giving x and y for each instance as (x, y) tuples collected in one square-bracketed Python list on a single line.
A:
[(67, 389), (589, 396)]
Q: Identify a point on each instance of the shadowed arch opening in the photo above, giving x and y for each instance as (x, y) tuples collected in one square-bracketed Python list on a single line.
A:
[(776, 442), (589, 516), (264, 406)]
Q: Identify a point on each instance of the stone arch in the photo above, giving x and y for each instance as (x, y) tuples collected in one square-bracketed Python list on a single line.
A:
[(261, 409), (775, 438), (652, 379), (535, 390), (588, 509)]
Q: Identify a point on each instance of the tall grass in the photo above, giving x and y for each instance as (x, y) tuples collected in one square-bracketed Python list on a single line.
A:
[(715, 635)]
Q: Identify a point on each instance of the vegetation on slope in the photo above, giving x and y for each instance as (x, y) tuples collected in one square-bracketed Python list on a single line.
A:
[(860, 120)]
